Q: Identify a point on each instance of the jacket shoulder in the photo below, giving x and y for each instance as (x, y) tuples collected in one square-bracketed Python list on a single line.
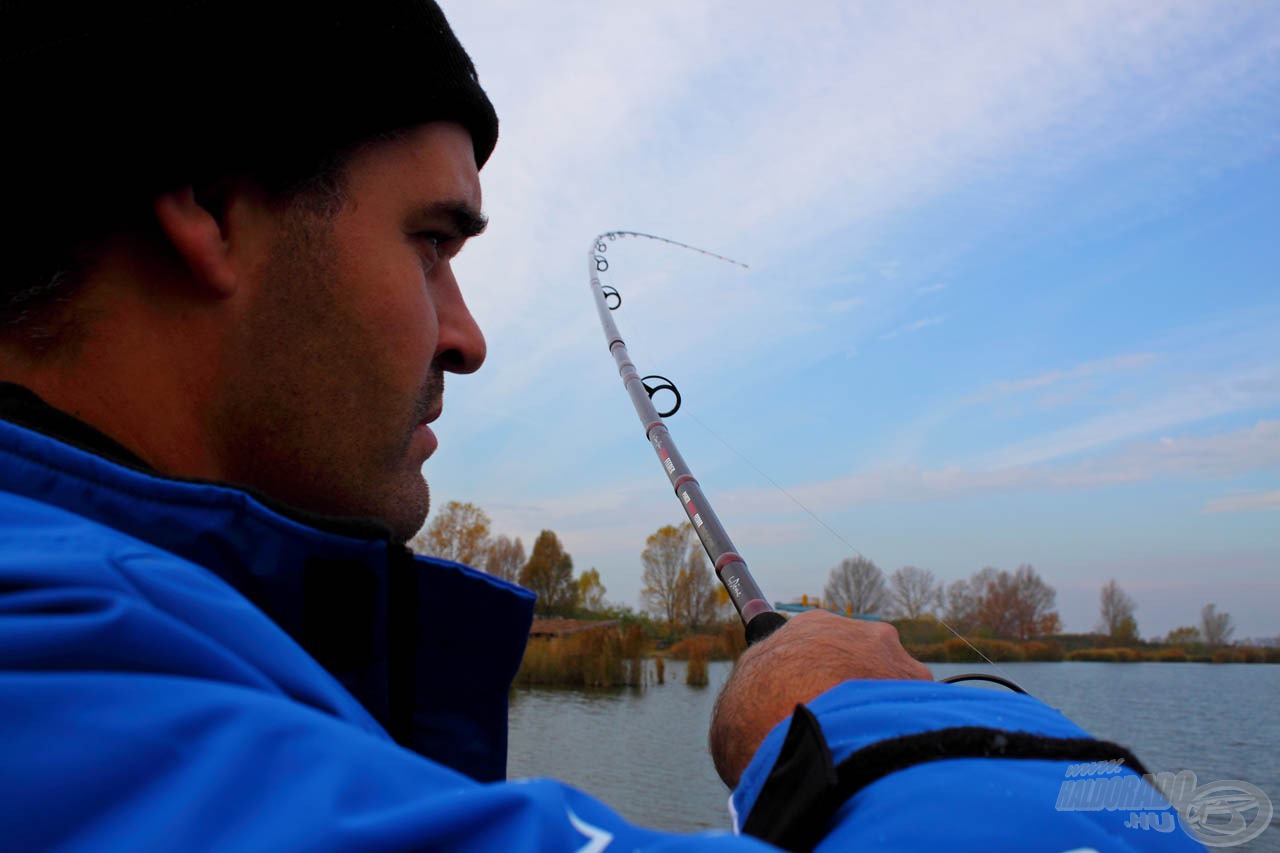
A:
[(79, 596)]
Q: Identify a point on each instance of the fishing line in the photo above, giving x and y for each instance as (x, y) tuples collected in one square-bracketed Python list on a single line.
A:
[(965, 677), (777, 485)]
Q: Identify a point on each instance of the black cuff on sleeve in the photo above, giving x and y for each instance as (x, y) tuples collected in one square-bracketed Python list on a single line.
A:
[(804, 789)]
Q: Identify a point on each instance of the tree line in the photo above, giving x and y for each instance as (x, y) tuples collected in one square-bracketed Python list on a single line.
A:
[(1016, 604), (995, 603), (461, 532), (680, 590)]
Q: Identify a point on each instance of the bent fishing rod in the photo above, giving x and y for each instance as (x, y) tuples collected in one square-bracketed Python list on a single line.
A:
[(758, 616)]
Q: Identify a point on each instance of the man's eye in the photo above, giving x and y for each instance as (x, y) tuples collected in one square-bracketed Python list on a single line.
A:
[(442, 245), (431, 238)]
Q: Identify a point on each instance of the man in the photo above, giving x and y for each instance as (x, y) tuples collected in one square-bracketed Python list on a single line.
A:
[(227, 316)]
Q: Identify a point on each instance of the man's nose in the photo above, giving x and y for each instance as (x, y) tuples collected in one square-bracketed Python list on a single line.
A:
[(461, 348)]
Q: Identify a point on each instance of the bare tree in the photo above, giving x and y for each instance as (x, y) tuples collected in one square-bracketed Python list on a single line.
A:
[(964, 602), (665, 554), (1117, 613), (505, 557), (856, 583), (961, 606), (914, 592), (1215, 627), (459, 532)]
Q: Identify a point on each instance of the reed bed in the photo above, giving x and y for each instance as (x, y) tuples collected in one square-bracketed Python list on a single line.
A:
[(956, 651), (726, 645), (603, 657)]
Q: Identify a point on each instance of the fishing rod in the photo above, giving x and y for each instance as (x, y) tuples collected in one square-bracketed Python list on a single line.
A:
[(758, 616)]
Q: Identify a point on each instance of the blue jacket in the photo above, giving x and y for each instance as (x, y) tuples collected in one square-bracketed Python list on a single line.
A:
[(183, 667)]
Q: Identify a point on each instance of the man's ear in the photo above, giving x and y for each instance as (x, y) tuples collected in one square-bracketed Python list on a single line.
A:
[(197, 235)]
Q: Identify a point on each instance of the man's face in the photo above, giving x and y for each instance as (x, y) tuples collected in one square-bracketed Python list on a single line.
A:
[(347, 329)]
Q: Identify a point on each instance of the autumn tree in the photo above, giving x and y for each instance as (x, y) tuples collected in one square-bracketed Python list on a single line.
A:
[(549, 573), (913, 592), (590, 590), (695, 591), (1215, 627), (1019, 605), (1117, 613), (856, 583), (1187, 635), (665, 554), (724, 609), (459, 532), (505, 557), (1000, 603)]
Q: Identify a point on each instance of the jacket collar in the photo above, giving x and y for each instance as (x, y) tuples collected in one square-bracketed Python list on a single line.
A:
[(365, 608)]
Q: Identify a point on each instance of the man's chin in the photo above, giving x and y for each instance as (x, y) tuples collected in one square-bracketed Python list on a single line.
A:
[(409, 514)]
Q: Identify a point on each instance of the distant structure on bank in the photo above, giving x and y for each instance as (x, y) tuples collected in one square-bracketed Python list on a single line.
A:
[(807, 603)]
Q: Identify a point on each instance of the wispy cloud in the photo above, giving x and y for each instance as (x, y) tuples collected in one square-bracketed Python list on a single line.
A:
[(937, 287), (1245, 503), (912, 327), (1101, 367), (1251, 389), (842, 305), (1210, 457)]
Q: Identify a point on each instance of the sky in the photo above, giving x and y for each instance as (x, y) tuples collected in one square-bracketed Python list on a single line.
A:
[(1012, 293)]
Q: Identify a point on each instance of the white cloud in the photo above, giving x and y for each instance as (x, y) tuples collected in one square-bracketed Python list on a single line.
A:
[(1101, 367), (1250, 389), (1245, 503), (1209, 457), (911, 327)]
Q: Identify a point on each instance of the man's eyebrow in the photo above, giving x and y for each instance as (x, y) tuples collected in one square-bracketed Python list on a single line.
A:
[(466, 220)]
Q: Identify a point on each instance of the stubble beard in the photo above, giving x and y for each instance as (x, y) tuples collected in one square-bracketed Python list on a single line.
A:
[(283, 430)]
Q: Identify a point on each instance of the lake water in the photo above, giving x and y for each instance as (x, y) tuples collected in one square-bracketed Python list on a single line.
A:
[(643, 750)]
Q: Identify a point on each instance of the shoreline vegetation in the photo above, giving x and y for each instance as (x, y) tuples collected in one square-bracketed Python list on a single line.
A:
[(1002, 615), (929, 641), (614, 653), (610, 652)]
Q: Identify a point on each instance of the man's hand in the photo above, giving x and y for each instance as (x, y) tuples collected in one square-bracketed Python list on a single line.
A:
[(812, 653)]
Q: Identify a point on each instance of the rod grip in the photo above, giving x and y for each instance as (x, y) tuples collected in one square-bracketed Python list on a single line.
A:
[(764, 624)]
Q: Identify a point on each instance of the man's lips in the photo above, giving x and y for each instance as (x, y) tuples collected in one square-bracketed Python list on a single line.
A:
[(424, 433)]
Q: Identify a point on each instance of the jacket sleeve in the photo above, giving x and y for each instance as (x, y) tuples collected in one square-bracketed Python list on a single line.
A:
[(152, 762), (907, 765), (147, 761)]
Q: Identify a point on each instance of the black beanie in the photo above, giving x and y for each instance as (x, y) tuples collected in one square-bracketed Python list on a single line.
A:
[(106, 100)]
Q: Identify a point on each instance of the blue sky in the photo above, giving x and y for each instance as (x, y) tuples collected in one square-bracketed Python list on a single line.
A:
[(1012, 293)]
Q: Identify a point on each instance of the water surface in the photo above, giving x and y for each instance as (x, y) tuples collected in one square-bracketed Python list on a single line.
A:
[(644, 750)]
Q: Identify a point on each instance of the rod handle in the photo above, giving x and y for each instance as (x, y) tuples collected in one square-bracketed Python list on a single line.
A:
[(764, 624)]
